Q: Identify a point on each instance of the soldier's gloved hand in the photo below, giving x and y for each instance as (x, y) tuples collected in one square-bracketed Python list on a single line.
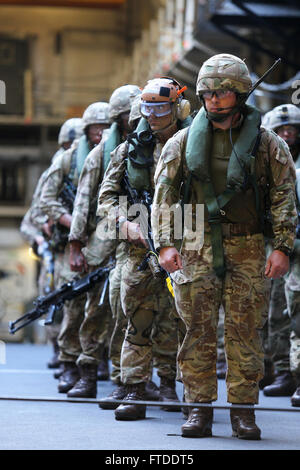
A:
[(133, 233), (277, 265), (77, 260), (170, 259)]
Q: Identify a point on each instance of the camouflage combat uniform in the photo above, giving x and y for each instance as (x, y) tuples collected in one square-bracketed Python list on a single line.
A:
[(244, 291), (96, 324), (292, 292), (73, 310), (31, 226), (277, 332), (145, 300)]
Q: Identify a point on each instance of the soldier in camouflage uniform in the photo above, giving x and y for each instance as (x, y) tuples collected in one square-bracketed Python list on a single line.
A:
[(227, 266), (36, 230), (120, 321), (119, 318), (145, 300), (292, 293), (86, 250), (77, 346), (285, 121)]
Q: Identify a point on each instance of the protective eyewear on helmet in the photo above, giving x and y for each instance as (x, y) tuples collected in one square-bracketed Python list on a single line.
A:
[(218, 93), (158, 109)]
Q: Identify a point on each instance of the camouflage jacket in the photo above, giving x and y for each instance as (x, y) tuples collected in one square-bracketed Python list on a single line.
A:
[(275, 176), (50, 203), (37, 217), (29, 230), (85, 204), (108, 203)]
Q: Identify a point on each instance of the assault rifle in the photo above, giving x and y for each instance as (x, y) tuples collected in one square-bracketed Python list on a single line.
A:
[(50, 303), (68, 194), (144, 199)]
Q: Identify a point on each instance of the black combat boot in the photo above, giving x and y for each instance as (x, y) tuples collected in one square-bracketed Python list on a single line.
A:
[(167, 392), (268, 377), (68, 378), (199, 423), (243, 424), (54, 363), (118, 394), (103, 367), (151, 391), (58, 373), (128, 412), (283, 386), (295, 399), (86, 387)]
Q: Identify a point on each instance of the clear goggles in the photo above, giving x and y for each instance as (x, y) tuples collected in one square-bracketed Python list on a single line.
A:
[(158, 109)]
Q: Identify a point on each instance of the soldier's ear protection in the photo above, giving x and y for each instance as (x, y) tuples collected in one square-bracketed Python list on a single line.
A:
[(182, 106)]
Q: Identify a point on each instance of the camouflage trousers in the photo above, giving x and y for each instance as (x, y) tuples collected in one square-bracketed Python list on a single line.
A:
[(84, 330), (151, 338), (244, 294), (293, 307), (118, 316), (277, 334)]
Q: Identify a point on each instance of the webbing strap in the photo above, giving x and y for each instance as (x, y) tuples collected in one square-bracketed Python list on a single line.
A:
[(214, 221)]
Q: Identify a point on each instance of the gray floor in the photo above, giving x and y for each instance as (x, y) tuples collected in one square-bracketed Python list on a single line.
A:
[(29, 425)]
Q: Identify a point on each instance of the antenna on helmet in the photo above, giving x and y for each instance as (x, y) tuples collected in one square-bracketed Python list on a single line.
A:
[(264, 75)]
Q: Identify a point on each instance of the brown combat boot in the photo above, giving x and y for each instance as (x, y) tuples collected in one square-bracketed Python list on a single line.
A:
[(129, 412), (86, 387), (167, 392), (118, 394), (243, 424), (199, 423), (283, 386), (68, 378), (295, 399)]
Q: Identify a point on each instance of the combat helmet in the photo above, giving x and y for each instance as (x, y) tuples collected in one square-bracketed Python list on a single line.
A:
[(70, 130), (96, 113), (135, 113), (285, 114), (121, 100), (224, 71), (161, 91)]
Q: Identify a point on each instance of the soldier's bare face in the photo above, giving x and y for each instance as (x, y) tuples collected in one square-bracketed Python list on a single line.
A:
[(288, 133), (159, 123), (67, 145), (214, 101), (95, 132)]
